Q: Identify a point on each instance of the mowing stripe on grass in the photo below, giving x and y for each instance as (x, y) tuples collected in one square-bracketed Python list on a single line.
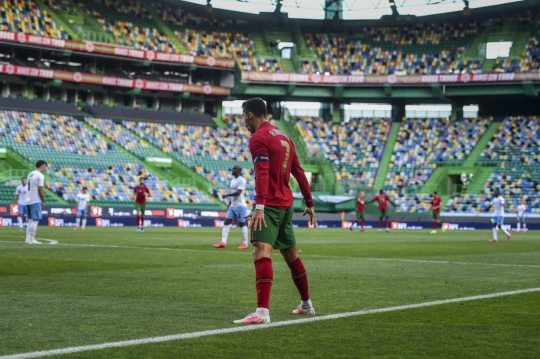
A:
[(126, 343), (304, 255)]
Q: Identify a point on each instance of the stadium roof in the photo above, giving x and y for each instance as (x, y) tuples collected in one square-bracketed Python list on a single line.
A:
[(352, 9)]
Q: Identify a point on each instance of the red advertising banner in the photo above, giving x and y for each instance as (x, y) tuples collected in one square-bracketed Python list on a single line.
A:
[(88, 46), (112, 81), (387, 79)]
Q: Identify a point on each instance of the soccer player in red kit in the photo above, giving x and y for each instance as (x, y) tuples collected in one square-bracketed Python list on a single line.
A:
[(274, 159), (383, 199), (436, 203), (359, 212), (140, 193)]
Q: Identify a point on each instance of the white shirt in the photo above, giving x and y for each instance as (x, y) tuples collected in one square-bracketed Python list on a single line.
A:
[(22, 192), (521, 210), (35, 180), (236, 184), (498, 205), (82, 200)]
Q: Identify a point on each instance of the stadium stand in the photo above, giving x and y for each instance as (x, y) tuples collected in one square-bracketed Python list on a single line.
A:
[(513, 151), (354, 149), (211, 152), (123, 137), (218, 43), (129, 22), (26, 17), (422, 145), (416, 49), (79, 157)]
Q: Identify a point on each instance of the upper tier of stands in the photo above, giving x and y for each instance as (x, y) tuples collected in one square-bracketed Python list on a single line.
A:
[(413, 49), (79, 157), (26, 17), (423, 48), (130, 23)]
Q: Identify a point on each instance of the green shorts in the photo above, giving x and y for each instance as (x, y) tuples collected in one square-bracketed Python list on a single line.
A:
[(279, 229), (359, 215), (384, 213), (435, 216), (140, 207)]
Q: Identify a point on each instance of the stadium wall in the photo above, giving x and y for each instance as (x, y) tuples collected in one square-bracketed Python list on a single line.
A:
[(64, 216)]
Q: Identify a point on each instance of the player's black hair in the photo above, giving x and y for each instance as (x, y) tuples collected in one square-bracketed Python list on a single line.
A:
[(23, 178), (40, 163), (256, 106), (85, 188), (435, 192), (381, 191)]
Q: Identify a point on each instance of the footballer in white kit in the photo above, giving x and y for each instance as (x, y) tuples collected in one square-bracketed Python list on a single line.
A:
[(237, 209), (521, 210), (36, 200), (498, 215), (82, 208), (21, 197)]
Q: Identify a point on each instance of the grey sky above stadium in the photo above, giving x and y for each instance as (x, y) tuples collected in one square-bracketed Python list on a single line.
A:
[(352, 9)]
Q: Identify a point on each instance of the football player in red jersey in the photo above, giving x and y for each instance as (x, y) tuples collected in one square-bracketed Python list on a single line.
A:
[(274, 159), (436, 203), (140, 192), (359, 212), (383, 199)]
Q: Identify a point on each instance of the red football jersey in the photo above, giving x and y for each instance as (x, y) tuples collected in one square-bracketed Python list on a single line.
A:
[(360, 204), (140, 192), (382, 200), (275, 159), (436, 202)]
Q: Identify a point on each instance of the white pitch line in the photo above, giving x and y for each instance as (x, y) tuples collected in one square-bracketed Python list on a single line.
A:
[(304, 255), (126, 343), (430, 261)]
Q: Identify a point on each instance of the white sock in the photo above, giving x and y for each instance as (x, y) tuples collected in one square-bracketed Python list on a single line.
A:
[(78, 221), (19, 219), (225, 233), (495, 232), (262, 312), (518, 226), (34, 229), (524, 226), (244, 235), (84, 222), (29, 231), (505, 231), (307, 303)]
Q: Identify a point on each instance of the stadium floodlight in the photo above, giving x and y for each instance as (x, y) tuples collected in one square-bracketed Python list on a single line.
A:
[(393, 7)]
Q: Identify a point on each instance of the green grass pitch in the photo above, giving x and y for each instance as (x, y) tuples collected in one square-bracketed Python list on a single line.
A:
[(107, 285)]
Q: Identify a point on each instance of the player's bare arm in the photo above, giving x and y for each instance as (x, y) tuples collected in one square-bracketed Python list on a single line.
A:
[(233, 194), (15, 198), (259, 152), (41, 195), (298, 173)]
